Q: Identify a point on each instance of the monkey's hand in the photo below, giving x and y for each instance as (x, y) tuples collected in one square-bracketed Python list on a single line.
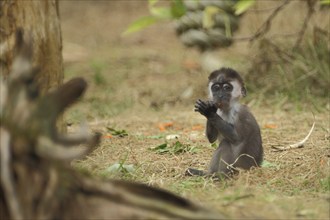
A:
[(206, 108)]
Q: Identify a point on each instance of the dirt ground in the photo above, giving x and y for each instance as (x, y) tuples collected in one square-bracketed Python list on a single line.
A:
[(144, 85)]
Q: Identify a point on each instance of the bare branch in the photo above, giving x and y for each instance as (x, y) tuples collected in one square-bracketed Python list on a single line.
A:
[(266, 26), (310, 12)]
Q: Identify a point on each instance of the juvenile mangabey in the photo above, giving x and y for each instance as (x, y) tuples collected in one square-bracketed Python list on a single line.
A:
[(230, 122)]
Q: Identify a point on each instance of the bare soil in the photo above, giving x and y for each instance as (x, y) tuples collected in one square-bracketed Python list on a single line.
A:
[(147, 83)]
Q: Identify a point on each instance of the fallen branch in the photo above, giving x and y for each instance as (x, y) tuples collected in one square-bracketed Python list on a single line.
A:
[(299, 144)]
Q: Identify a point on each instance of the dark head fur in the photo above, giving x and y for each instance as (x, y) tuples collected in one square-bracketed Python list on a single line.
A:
[(226, 75)]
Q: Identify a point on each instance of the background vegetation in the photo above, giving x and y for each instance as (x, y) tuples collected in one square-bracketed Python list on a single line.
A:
[(142, 88)]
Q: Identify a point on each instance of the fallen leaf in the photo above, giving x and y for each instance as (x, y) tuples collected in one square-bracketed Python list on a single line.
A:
[(197, 128), (191, 65), (164, 126), (271, 126)]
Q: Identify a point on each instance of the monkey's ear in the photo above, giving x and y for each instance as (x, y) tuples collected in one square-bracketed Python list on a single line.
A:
[(243, 91)]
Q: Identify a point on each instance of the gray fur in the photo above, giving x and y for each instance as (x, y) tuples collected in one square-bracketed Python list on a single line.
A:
[(232, 124)]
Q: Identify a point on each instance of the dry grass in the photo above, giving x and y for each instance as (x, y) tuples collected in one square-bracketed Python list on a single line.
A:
[(136, 83), (295, 182)]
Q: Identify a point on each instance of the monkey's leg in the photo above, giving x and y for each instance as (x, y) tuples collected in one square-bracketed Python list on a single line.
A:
[(221, 158), (214, 164), (195, 172), (215, 161), (215, 176)]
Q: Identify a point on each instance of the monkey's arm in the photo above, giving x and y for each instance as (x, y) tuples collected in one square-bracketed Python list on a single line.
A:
[(211, 132), (215, 123), (206, 109), (226, 129)]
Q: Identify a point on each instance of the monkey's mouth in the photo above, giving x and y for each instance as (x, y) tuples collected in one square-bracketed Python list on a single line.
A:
[(221, 104), (218, 104)]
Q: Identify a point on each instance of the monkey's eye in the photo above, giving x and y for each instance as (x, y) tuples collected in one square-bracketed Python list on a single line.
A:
[(227, 87), (216, 87)]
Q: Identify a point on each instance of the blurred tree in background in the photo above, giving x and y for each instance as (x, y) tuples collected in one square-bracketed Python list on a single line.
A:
[(39, 21), (290, 65)]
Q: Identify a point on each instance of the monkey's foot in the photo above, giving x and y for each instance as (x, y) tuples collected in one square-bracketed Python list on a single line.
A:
[(195, 172)]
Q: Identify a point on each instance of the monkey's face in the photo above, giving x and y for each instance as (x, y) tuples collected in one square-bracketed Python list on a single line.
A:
[(221, 94), (224, 91)]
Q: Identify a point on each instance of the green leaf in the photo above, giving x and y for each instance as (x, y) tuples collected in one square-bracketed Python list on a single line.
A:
[(268, 164), (178, 147), (208, 16), (243, 5), (161, 12), (214, 145), (120, 133), (227, 26), (113, 168), (178, 9), (152, 2), (174, 148), (160, 148), (140, 24), (120, 168), (128, 168), (325, 2)]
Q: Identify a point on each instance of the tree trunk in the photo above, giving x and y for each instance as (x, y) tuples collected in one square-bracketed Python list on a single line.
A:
[(39, 21)]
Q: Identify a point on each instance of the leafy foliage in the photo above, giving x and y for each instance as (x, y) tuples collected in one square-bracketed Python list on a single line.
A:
[(300, 74), (325, 2), (119, 133), (157, 13), (174, 148), (243, 5), (140, 24), (121, 168)]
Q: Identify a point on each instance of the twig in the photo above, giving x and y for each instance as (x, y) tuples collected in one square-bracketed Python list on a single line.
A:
[(277, 35), (255, 162), (310, 4), (299, 144), (262, 10), (238, 198), (265, 26), (232, 165), (279, 51)]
